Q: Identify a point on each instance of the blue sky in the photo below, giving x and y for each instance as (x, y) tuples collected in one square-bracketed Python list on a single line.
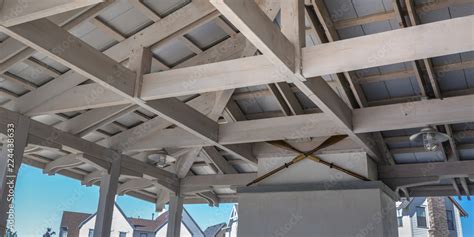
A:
[(41, 199)]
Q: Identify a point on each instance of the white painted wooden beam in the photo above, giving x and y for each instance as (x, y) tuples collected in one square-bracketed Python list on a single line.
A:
[(175, 215), (255, 25), (210, 197), (371, 119), (93, 178), (185, 162), (11, 158), (14, 12), (69, 161), (207, 77), (107, 192), (219, 161), (93, 152), (389, 47), (414, 114), (162, 197), (134, 185), (62, 46)]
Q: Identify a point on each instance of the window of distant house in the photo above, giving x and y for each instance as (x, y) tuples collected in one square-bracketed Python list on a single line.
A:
[(91, 232), (400, 218), (63, 232), (122, 234), (450, 219), (421, 217), (143, 235)]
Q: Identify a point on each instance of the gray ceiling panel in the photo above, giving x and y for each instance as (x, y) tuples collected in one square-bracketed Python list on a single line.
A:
[(469, 75), (394, 68), (375, 91), (406, 158), (207, 35), (467, 154), (114, 10), (429, 156), (437, 15), (350, 32), (447, 59), (453, 80), (30, 73), (415, 85), (376, 27), (400, 88), (98, 39), (82, 29), (250, 106), (11, 86), (165, 7), (268, 103), (129, 22), (173, 52), (304, 101), (340, 9), (368, 7), (462, 10)]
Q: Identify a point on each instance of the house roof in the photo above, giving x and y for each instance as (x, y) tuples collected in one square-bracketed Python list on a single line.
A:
[(72, 220), (149, 225), (212, 231)]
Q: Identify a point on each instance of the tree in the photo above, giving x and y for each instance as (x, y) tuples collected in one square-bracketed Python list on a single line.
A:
[(49, 233)]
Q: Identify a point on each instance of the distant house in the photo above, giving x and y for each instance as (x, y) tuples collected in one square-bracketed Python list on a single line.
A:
[(75, 224), (413, 217), (215, 230)]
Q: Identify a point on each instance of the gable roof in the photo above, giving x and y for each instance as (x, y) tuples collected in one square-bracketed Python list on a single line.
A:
[(116, 206), (212, 231), (149, 225), (72, 221), (187, 220)]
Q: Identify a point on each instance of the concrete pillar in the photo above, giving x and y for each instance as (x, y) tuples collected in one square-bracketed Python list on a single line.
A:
[(9, 166), (349, 209), (108, 190), (175, 215), (309, 199), (437, 217)]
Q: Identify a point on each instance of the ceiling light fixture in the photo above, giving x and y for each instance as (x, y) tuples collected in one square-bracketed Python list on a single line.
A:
[(430, 137)]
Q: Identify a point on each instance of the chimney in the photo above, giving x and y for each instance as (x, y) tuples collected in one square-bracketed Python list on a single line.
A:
[(437, 217), (152, 216)]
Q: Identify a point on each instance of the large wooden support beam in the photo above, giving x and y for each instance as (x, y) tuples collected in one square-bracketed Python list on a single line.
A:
[(257, 27), (92, 151), (175, 214), (50, 39), (390, 47), (59, 44), (11, 157), (371, 119), (259, 70), (414, 114), (14, 12), (108, 190), (453, 168)]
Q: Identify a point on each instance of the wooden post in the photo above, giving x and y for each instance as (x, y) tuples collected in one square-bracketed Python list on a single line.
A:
[(10, 162), (175, 215), (108, 190)]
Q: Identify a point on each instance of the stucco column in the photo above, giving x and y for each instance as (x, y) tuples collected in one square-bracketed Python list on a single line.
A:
[(10, 161), (437, 217)]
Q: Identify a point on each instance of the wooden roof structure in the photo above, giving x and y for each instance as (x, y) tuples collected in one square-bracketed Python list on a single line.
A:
[(211, 81)]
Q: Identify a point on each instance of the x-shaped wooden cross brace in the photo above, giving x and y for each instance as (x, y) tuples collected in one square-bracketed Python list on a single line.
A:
[(303, 155)]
